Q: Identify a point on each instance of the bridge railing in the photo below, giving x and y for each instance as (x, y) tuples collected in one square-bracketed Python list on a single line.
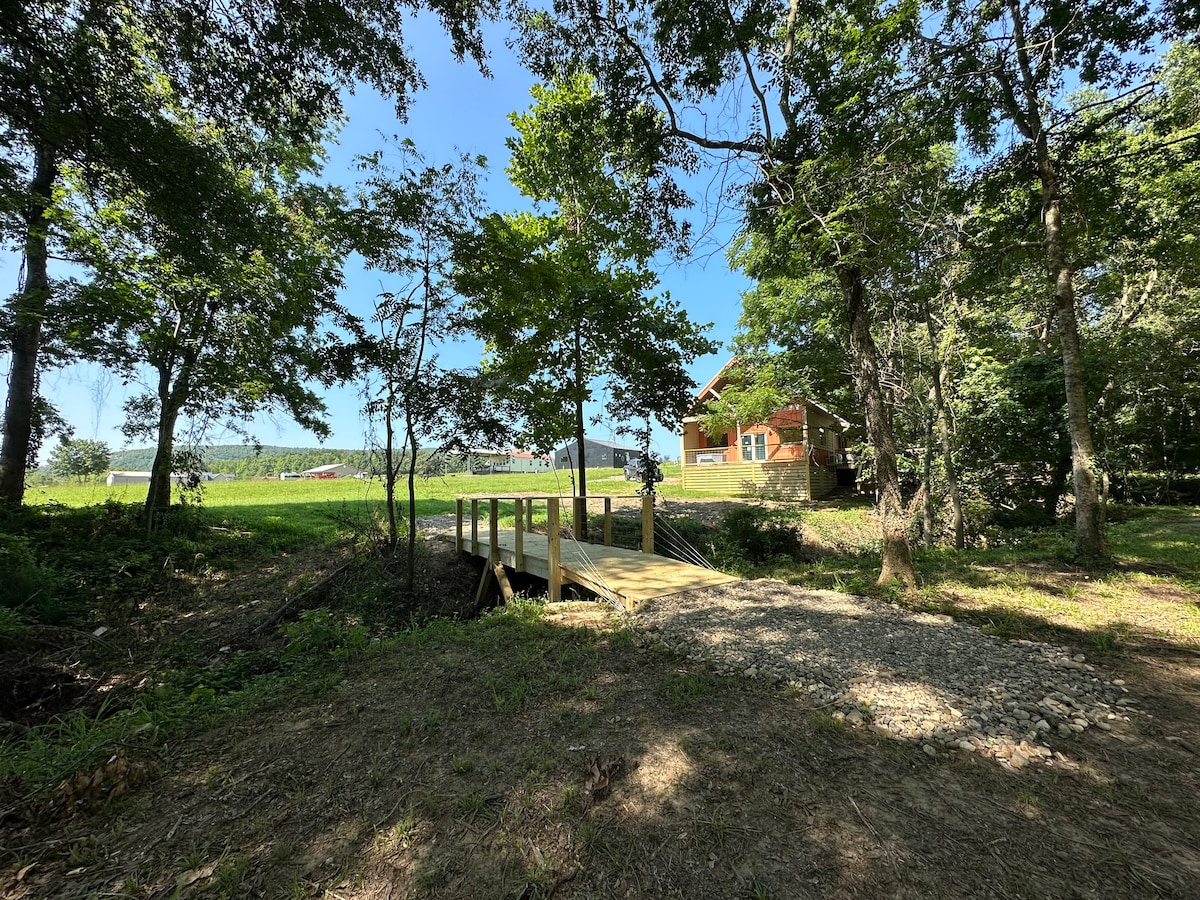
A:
[(523, 515)]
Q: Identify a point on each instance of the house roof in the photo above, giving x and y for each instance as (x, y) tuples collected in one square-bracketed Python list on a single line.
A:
[(720, 376), (327, 468), (613, 444)]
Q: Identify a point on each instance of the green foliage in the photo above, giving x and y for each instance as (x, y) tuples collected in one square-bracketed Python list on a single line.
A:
[(318, 630), (561, 297), (29, 588), (79, 458), (760, 535)]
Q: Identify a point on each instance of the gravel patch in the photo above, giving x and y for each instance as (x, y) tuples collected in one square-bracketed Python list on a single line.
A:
[(915, 676)]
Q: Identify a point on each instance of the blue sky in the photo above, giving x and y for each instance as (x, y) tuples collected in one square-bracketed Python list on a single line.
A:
[(459, 112)]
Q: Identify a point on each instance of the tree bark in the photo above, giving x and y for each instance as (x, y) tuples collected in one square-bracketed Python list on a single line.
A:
[(897, 561), (1027, 115), (411, 576), (1089, 511), (927, 517), (29, 309), (579, 432), (939, 401), (159, 494)]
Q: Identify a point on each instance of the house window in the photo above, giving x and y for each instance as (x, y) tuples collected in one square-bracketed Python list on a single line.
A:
[(791, 435), (754, 447)]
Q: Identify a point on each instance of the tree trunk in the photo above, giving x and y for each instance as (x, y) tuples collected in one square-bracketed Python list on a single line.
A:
[(389, 478), (28, 309), (927, 522), (1089, 511), (158, 497), (897, 561), (411, 577), (939, 401), (1027, 115), (579, 433)]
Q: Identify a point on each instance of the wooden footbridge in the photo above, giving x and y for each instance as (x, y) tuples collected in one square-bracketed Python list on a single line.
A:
[(626, 577)]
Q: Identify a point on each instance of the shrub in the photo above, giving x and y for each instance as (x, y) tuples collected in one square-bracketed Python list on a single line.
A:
[(28, 586), (760, 535)]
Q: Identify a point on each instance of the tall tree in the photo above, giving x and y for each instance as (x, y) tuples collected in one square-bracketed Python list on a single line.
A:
[(224, 336), (408, 220), (82, 84), (832, 126), (562, 298), (79, 458), (1008, 64)]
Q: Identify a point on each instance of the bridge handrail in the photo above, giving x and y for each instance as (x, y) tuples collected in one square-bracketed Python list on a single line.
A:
[(523, 510)]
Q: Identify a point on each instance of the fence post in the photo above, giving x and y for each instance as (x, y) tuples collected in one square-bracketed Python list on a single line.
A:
[(519, 537), (494, 531), (608, 521), (553, 543), (474, 527), (647, 524), (458, 531), (578, 516)]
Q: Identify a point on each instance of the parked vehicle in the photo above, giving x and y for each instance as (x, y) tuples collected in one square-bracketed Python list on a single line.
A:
[(288, 476), (635, 469)]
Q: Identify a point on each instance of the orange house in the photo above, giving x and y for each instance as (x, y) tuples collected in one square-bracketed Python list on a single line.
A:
[(797, 454)]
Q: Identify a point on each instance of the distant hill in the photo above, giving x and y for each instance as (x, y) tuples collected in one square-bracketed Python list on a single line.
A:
[(240, 460), (140, 458)]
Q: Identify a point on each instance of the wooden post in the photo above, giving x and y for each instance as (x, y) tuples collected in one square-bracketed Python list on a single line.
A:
[(608, 521), (647, 524), (474, 527), (529, 513), (494, 530), (458, 531), (554, 548), (519, 534), (578, 516)]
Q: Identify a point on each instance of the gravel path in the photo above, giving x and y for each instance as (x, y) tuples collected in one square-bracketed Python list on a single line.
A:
[(916, 676)]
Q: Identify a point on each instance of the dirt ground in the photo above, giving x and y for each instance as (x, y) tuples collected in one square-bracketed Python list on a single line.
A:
[(574, 759)]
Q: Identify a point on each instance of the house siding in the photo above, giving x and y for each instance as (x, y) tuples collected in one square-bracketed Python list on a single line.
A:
[(783, 479)]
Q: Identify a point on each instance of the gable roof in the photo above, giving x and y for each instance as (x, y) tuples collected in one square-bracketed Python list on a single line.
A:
[(720, 378)]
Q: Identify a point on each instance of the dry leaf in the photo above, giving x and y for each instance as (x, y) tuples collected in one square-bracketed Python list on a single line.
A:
[(194, 875)]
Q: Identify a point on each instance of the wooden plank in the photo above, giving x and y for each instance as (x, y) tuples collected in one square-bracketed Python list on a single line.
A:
[(519, 535), (628, 575), (553, 551), (493, 529), (506, 590), (458, 529), (648, 524), (474, 527), (608, 521)]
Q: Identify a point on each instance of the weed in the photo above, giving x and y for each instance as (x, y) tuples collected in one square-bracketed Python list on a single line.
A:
[(568, 800), (229, 874), (681, 688), (405, 830), (471, 803), (435, 876), (461, 765)]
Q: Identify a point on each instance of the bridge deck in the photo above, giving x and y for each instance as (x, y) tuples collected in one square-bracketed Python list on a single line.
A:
[(627, 576)]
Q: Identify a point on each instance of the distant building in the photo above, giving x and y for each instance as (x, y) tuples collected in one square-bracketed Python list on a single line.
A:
[(502, 462), (116, 477), (596, 455), (333, 470)]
